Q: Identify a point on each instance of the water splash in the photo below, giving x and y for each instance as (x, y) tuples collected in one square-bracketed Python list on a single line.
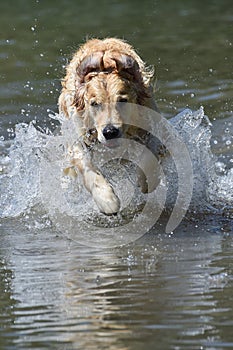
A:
[(32, 177), (19, 186)]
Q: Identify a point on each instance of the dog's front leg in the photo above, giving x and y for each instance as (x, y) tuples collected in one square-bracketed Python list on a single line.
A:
[(101, 190), (95, 183)]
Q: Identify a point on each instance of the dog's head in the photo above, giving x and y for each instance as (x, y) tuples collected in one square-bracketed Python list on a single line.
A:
[(106, 84)]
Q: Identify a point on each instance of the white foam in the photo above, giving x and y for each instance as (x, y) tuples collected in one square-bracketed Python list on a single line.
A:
[(32, 175)]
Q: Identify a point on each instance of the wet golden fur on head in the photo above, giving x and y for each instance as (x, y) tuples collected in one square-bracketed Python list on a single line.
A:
[(110, 64)]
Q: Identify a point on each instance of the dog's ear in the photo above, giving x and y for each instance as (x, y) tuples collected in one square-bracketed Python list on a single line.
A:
[(78, 101), (127, 67), (109, 61), (89, 66)]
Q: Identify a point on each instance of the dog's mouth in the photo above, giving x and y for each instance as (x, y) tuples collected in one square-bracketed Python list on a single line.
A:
[(113, 143)]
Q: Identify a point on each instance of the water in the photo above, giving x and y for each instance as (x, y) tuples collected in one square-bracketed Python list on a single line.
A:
[(60, 289)]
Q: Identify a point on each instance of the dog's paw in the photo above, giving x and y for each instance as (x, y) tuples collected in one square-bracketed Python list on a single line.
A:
[(105, 198)]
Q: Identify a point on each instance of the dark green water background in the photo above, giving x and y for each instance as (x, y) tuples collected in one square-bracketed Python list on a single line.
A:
[(188, 42), (166, 291)]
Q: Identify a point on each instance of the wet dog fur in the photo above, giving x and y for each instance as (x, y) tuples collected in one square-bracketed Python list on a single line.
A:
[(102, 77)]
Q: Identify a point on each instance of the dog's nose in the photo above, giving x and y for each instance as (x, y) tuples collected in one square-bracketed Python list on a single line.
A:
[(111, 132)]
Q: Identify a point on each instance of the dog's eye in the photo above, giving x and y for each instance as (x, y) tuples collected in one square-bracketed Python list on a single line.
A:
[(122, 99), (95, 104)]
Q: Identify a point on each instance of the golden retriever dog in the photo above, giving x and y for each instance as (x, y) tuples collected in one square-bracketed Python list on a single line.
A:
[(101, 78)]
